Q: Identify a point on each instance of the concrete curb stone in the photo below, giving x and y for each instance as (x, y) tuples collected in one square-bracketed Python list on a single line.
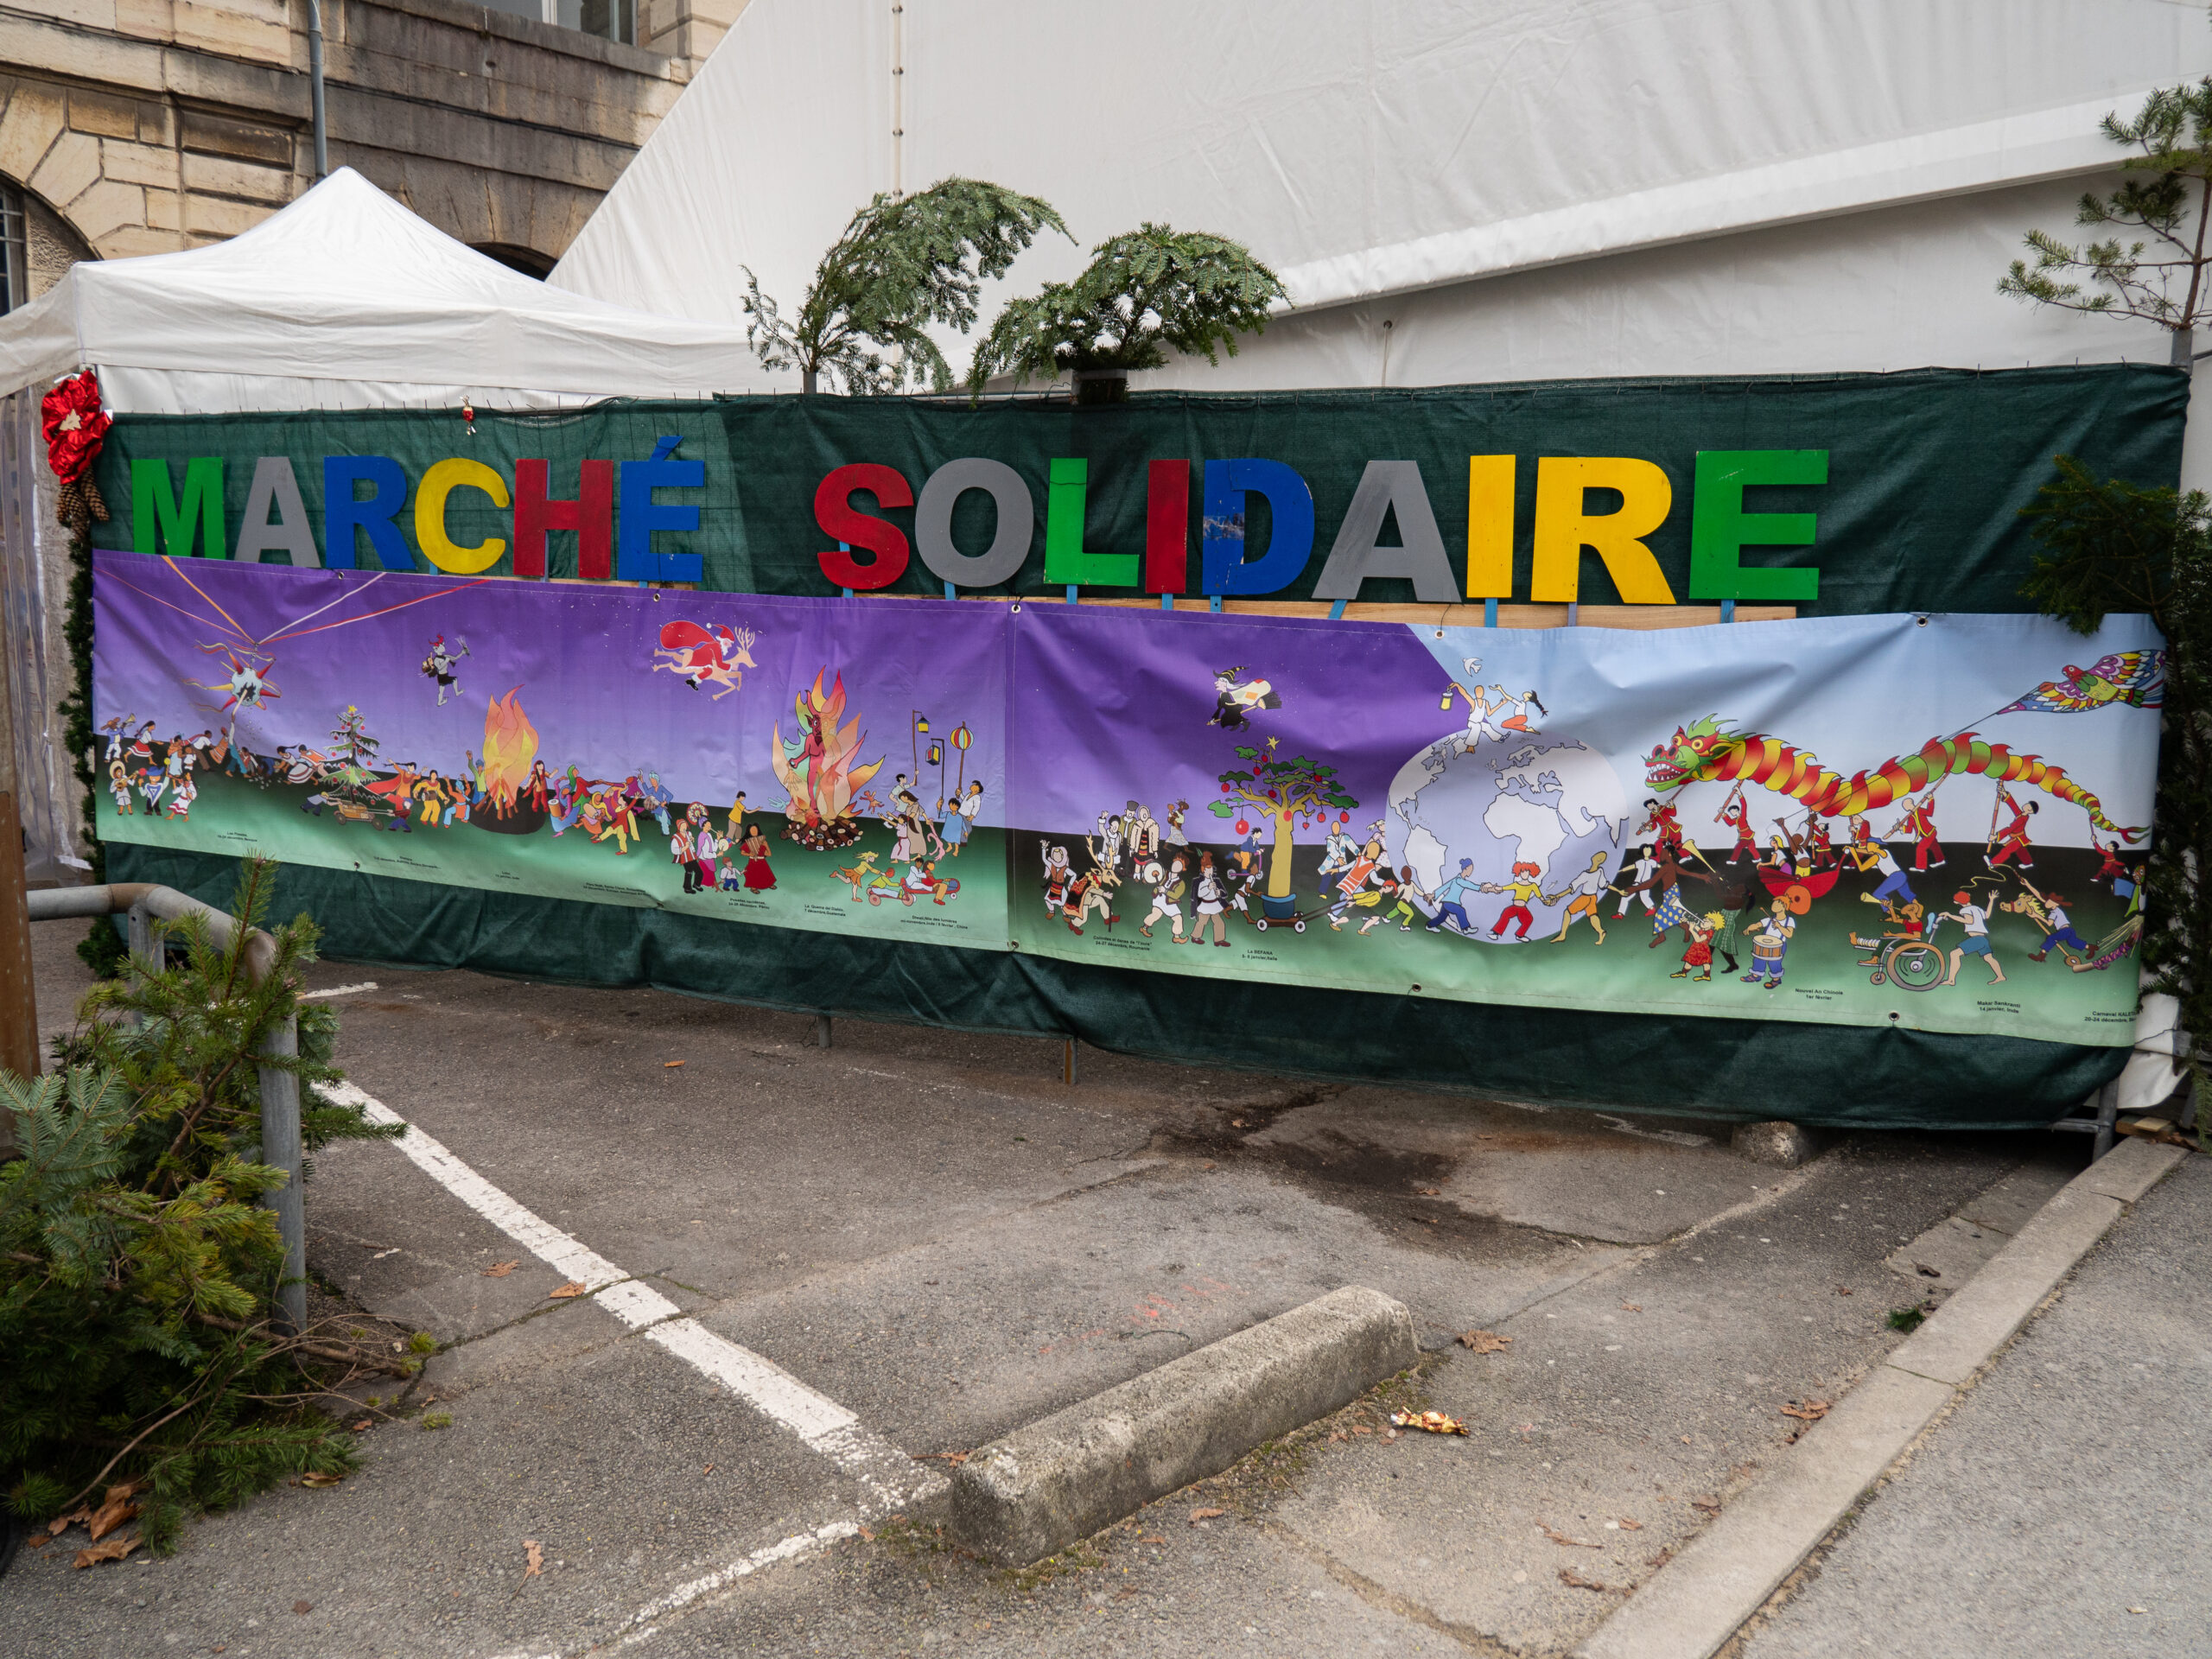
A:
[(1983, 1314), (1758, 1541), (1044, 1486), (1694, 1605)]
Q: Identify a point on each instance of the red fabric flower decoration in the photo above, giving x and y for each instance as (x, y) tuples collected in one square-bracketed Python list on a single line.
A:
[(74, 426)]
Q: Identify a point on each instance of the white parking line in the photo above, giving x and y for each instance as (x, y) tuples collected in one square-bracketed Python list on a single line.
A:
[(891, 1477)]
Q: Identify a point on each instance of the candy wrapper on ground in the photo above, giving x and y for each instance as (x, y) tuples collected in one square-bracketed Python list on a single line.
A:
[(1435, 1421)]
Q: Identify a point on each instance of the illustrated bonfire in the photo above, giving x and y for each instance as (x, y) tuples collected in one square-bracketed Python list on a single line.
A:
[(817, 771), (510, 747)]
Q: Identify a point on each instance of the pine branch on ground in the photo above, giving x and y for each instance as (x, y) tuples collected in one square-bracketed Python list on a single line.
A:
[(138, 1274)]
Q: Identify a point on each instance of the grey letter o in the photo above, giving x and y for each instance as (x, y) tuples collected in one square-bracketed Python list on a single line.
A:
[(933, 522)]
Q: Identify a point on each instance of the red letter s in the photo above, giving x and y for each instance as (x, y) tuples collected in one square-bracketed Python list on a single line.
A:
[(833, 511)]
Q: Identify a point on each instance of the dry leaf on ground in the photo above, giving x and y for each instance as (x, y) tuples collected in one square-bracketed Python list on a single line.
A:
[(113, 1511), (61, 1523), (1576, 1581), (1485, 1342), (1628, 1525), (670, 1065), (573, 1287), (1631, 1307), (1843, 1290), (1435, 1421), (1198, 1515), (1811, 1412), (1710, 1506), (113, 1550), (303, 1606), (364, 1426), (1558, 1537), (500, 1269), (949, 1457), (533, 1559), (316, 1477)]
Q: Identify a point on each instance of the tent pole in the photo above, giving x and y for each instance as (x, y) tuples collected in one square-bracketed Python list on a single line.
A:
[(314, 89)]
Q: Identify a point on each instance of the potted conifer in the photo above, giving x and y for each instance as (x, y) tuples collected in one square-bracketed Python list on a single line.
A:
[(1145, 293), (903, 263)]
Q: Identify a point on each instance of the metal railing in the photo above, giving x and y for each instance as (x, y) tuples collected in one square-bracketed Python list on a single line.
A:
[(142, 903)]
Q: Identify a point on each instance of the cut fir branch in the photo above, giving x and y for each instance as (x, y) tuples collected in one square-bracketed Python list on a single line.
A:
[(1145, 293), (138, 1267), (902, 266), (1282, 791), (2160, 275)]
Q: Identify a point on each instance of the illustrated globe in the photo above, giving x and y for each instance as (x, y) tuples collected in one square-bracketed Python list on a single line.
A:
[(1547, 800)]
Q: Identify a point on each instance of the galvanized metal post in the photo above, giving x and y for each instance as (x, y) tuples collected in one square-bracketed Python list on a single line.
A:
[(139, 924), (280, 1147), (314, 89), (18, 992), (822, 1031)]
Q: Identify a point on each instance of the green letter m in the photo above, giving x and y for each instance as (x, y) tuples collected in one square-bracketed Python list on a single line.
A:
[(153, 508)]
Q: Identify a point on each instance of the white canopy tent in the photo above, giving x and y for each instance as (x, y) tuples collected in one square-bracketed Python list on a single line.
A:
[(344, 300), (1452, 192)]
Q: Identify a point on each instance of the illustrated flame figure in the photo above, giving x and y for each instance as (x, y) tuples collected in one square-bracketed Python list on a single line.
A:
[(817, 770), (510, 747)]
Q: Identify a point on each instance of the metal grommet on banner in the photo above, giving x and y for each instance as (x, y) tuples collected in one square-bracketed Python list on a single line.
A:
[(1017, 608), (1416, 989), (1920, 621)]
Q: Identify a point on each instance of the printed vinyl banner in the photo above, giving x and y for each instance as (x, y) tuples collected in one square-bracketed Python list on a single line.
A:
[(1932, 823)]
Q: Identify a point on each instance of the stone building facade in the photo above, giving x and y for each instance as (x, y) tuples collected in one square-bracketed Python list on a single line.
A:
[(146, 126)]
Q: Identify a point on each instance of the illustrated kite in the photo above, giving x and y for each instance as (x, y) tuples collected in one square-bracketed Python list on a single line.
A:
[(2136, 678)]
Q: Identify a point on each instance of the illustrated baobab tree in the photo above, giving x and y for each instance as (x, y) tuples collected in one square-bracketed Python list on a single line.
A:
[(1283, 792)]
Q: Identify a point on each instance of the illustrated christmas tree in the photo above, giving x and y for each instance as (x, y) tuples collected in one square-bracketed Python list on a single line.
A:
[(355, 747)]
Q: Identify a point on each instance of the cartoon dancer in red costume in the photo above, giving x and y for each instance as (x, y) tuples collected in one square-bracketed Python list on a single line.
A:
[(2012, 840), (1737, 817), (1919, 823)]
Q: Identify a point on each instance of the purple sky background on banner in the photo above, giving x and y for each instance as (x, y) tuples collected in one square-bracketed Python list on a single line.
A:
[(1111, 704), (582, 655), (1358, 695)]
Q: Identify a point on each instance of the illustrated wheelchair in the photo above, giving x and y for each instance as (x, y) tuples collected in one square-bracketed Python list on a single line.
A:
[(1909, 964)]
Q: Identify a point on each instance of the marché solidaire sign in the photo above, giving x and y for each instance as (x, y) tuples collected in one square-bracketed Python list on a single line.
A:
[(616, 513)]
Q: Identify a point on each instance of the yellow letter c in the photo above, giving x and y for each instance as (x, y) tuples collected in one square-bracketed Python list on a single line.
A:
[(454, 473)]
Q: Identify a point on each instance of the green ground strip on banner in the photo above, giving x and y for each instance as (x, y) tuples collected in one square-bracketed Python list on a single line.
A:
[(1741, 1069)]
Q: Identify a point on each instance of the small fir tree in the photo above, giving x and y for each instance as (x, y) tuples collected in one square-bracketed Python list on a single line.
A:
[(902, 264), (1146, 292), (2115, 546), (138, 1277), (2168, 197)]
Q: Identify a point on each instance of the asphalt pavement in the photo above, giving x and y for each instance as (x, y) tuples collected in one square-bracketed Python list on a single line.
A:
[(931, 1232), (2061, 1508)]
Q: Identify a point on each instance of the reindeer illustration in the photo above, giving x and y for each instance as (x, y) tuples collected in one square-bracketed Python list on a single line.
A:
[(707, 654)]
